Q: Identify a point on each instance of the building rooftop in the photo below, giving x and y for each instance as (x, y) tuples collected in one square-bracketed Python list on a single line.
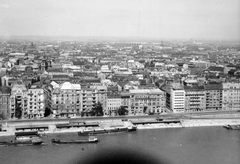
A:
[(146, 91), (68, 85), (193, 88), (213, 87), (216, 69)]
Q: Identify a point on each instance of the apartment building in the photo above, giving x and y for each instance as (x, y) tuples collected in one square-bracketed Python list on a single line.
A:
[(36, 101), (213, 97), (101, 95), (175, 97), (19, 101), (177, 100), (195, 99), (114, 102), (64, 99), (147, 101), (231, 96), (89, 99), (125, 96), (5, 93)]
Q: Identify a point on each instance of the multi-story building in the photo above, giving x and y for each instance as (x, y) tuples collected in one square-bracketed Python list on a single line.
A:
[(147, 101), (5, 93), (195, 99), (175, 97), (18, 101), (231, 96), (36, 101), (89, 99), (213, 97), (114, 102), (101, 96), (125, 96), (64, 99)]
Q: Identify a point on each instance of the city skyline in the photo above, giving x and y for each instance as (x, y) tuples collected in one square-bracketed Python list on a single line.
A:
[(172, 19)]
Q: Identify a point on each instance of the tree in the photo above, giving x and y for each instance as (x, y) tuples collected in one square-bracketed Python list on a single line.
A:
[(122, 111), (144, 109), (47, 112), (2, 115), (18, 112), (97, 110)]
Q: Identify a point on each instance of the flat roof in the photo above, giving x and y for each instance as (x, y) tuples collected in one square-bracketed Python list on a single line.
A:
[(153, 91)]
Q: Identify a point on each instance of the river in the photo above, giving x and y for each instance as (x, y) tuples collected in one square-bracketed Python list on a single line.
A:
[(198, 145)]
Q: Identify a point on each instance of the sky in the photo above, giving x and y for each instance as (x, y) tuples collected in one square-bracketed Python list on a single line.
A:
[(178, 19)]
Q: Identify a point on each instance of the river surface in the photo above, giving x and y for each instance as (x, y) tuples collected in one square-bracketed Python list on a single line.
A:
[(198, 145)]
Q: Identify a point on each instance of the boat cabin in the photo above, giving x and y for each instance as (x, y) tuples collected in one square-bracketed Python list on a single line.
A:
[(27, 133)]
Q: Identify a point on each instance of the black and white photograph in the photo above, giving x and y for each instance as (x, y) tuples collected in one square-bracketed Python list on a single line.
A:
[(119, 81)]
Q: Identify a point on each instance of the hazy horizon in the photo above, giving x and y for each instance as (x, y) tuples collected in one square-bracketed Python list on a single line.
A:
[(155, 19)]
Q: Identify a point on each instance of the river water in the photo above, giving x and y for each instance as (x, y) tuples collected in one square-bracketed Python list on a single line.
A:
[(198, 145)]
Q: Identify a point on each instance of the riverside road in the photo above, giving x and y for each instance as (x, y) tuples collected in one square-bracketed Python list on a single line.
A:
[(202, 115)]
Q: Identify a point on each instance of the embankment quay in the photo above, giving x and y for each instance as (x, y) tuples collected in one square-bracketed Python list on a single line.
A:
[(133, 117), (65, 125)]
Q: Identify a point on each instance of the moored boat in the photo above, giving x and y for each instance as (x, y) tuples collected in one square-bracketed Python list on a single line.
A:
[(232, 127), (23, 143), (91, 139), (132, 128), (32, 141), (4, 143), (107, 130)]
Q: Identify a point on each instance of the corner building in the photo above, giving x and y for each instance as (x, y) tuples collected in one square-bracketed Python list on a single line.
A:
[(64, 99), (19, 101), (175, 98)]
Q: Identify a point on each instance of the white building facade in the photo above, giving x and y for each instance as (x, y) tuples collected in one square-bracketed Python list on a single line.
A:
[(231, 96)]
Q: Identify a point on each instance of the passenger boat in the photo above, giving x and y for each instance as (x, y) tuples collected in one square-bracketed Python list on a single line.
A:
[(107, 130), (91, 139), (32, 141), (27, 138), (232, 127)]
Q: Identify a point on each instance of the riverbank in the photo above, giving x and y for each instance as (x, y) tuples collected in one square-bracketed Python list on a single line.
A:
[(145, 124)]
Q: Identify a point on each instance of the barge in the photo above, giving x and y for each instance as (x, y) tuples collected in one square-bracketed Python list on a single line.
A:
[(232, 127), (91, 139), (107, 131)]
